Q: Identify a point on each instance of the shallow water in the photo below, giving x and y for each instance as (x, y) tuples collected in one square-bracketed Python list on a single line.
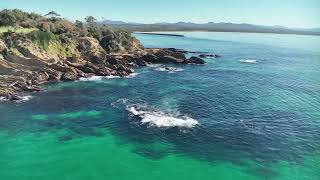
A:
[(254, 121)]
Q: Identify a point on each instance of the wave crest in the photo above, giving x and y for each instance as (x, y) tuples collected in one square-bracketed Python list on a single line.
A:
[(99, 78), (248, 61), (169, 69), (25, 98), (161, 119)]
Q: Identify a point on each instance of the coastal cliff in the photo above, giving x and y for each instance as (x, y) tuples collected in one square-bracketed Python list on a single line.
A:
[(49, 50)]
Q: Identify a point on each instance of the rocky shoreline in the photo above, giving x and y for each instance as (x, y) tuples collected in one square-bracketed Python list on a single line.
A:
[(25, 71), (53, 49)]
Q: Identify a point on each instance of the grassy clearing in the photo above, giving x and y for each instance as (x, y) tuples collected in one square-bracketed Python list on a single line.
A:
[(17, 30)]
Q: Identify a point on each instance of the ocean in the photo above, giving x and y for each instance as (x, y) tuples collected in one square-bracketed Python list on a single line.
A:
[(253, 114)]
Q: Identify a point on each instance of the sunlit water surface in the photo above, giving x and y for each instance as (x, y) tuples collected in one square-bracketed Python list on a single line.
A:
[(224, 120)]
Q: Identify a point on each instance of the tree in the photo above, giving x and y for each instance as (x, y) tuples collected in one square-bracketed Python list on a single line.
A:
[(90, 19), (53, 14), (7, 18), (16, 17)]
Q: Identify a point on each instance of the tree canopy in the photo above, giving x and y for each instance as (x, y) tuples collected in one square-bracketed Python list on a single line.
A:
[(109, 38), (90, 19), (53, 14)]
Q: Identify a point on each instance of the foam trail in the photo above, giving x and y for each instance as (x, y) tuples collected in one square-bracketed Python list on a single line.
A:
[(161, 119)]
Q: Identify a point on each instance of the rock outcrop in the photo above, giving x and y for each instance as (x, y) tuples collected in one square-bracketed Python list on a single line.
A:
[(53, 49), (25, 66)]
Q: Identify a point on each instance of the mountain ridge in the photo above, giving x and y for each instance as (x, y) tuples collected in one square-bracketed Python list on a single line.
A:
[(210, 26)]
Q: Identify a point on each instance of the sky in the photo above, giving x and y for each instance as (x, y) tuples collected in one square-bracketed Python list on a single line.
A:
[(289, 13)]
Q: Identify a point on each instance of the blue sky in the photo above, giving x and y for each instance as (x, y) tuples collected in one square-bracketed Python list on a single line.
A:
[(290, 13)]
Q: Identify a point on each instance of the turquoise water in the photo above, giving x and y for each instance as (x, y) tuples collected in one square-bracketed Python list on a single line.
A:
[(255, 121)]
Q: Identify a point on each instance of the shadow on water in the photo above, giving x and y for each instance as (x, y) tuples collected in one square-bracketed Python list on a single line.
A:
[(263, 137), (231, 127)]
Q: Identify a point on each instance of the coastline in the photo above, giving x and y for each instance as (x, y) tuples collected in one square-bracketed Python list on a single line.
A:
[(159, 34), (164, 33), (53, 49), (19, 80)]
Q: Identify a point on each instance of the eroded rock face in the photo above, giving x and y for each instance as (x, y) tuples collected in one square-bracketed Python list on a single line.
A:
[(3, 46), (69, 76), (24, 68)]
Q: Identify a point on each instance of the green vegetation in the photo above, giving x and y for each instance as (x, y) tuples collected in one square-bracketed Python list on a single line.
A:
[(16, 30), (48, 29), (42, 38), (18, 18)]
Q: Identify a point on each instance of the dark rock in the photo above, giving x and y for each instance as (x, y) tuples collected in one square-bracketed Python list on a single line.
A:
[(96, 60), (166, 52), (170, 59), (209, 56), (140, 62), (32, 88), (112, 61), (149, 58), (104, 72), (73, 59), (123, 68), (40, 77), (69, 76), (15, 97), (54, 76), (59, 67), (196, 60)]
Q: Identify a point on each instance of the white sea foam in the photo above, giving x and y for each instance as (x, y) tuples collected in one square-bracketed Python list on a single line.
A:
[(161, 119), (169, 69), (248, 61), (134, 111), (23, 99), (132, 75), (153, 65), (92, 78), (99, 78), (26, 98), (3, 99), (119, 102)]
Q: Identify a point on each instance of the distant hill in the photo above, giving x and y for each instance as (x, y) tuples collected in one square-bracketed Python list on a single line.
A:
[(210, 26)]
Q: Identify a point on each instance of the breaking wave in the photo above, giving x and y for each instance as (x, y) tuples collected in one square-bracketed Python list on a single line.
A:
[(99, 78), (161, 119), (25, 98), (3, 99), (248, 61), (22, 99), (153, 65), (162, 68), (153, 116), (169, 69)]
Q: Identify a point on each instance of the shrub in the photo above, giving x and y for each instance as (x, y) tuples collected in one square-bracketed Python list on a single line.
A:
[(42, 38), (17, 17), (55, 28)]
